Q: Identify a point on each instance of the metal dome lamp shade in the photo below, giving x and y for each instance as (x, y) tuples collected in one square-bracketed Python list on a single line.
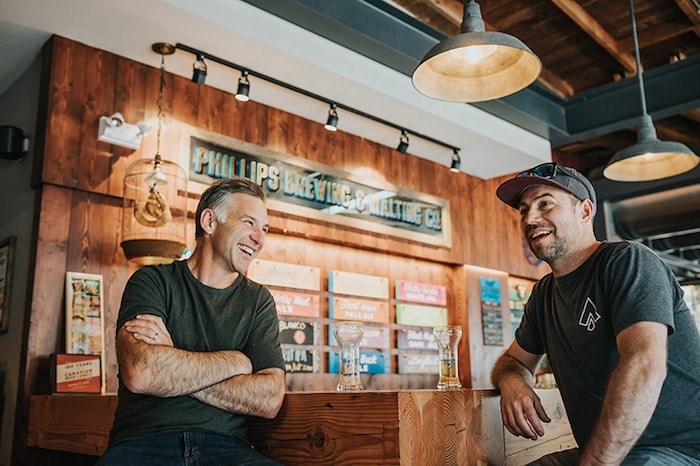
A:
[(476, 65), (154, 213), (649, 159)]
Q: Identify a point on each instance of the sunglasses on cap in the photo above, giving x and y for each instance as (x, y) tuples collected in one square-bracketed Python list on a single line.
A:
[(550, 170), (546, 170)]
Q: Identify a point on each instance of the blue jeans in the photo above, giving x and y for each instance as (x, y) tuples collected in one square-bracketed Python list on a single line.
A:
[(183, 449), (639, 456)]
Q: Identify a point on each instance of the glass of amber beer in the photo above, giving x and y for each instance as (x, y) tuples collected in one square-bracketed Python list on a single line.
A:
[(447, 339), (348, 336)]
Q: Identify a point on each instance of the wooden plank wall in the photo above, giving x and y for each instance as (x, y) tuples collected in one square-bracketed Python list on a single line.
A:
[(80, 181)]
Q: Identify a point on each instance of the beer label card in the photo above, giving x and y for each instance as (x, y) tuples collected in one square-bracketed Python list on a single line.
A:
[(297, 332), (418, 339)]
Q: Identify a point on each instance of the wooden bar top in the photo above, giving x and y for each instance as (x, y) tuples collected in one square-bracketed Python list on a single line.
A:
[(411, 427)]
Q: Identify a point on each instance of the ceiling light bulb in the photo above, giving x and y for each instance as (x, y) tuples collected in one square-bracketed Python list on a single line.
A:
[(456, 161), (403, 142), (243, 91), (332, 121), (199, 70)]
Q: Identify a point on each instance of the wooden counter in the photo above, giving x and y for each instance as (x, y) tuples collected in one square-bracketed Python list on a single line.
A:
[(416, 427)]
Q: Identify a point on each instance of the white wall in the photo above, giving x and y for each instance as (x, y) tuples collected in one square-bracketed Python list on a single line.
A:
[(18, 107)]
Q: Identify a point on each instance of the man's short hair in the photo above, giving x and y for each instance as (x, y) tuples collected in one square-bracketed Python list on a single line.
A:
[(549, 174), (215, 194)]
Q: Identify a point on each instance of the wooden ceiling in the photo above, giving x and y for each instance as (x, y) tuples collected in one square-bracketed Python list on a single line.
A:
[(585, 44)]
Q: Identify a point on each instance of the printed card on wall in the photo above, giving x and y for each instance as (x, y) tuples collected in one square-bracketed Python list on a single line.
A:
[(297, 332), (491, 313), (372, 337), (291, 303), (416, 339), (421, 316), (421, 293), (286, 275), (357, 284), (76, 373), (85, 315), (371, 362), (298, 360), (358, 309), (418, 363)]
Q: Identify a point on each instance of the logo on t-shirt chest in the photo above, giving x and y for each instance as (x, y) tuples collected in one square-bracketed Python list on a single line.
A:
[(589, 315)]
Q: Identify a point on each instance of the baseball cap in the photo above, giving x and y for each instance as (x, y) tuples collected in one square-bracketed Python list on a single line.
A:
[(549, 174)]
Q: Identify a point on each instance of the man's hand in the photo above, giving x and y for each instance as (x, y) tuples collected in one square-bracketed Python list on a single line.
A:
[(149, 329), (521, 408)]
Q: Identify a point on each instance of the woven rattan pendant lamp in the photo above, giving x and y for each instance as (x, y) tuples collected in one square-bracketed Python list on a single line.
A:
[(476, 65), (650, 158)]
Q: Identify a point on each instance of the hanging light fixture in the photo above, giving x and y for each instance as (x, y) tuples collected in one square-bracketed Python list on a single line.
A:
[(650, 158), (476, 65), (243, 91), (456, 161), (154, 213), (199, 70), (332, 121), (403, 142)]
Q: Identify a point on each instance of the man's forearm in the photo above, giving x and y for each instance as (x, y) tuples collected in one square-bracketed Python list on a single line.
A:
[(258, 394), (164, 371), (630, 400), (507, 366)]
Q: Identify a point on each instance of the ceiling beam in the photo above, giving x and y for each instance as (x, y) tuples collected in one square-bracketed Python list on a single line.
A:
[(691, 11), (593, 28), (693, 115), (670, 90)]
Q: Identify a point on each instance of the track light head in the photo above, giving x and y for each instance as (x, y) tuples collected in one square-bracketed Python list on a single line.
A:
[(332, 121), (456, 161), (243, 91), (199, 70), (403, 142)]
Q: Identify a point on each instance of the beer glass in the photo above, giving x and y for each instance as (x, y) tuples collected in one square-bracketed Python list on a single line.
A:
[(348, 336), (447, 339)]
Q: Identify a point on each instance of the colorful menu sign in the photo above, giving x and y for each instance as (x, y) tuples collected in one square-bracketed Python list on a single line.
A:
[(286, 275), (296, 332), (418, 363), (371, 362), (290, 303), (357, 284), (298, 360), (358, 309), (372, 337), (491, 312), (422, 293), (416, 339), (422, 316)]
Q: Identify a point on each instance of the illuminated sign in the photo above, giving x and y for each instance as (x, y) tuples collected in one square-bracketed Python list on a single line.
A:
[(301, 187)]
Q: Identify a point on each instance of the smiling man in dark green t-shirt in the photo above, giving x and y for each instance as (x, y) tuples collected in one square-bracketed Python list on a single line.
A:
[(198, 344)]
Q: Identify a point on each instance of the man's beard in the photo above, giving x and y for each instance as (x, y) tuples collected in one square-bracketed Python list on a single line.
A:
[(552, 252)]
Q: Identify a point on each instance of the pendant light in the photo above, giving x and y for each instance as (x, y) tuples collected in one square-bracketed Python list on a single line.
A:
[(649, 159), (154, 213), (476, 65)]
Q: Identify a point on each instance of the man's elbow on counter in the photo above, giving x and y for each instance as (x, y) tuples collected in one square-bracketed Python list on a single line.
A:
[(275, 404)]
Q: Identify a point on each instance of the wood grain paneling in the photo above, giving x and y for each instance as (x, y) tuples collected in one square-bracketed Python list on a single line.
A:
[(81, 185)]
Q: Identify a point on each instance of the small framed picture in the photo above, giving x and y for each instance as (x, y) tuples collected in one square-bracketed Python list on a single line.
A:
[(85, 314), (7, 253)]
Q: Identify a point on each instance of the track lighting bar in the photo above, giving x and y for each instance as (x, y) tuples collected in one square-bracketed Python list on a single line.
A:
[(332, 103)]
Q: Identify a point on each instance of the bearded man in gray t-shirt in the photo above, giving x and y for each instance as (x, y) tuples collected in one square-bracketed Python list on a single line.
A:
[(611, 319)]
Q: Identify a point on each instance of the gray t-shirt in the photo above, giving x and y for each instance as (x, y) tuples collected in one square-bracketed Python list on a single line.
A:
[(199, 318), (574, 319)]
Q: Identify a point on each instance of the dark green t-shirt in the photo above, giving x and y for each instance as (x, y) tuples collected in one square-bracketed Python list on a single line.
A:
[(199, 318), (575, 319)]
